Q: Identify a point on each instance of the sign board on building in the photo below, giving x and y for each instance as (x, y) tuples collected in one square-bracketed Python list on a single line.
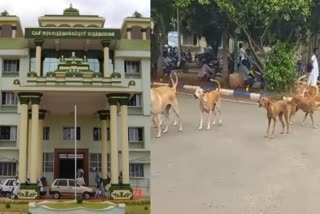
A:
[(72, 33), (173, 39)]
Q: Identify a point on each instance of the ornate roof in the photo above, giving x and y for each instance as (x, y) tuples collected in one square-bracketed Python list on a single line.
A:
[(71, 11)]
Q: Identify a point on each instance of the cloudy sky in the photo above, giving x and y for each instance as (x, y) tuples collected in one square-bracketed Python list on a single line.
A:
[(114, 11)]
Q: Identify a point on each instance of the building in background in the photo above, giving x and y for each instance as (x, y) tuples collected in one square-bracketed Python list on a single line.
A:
[(72, 59)]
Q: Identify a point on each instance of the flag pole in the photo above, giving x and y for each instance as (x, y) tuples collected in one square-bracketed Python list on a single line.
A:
[(75, 152)]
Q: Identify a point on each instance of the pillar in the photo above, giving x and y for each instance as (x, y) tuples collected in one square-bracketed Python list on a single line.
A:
[(0, 30), (38, 43), (124, 142), (29, 143), (34, 159), (144, 33), (14, 29), (42, 114), (105, 44), (114, 140), (129, 33), (104, 117), (23, 127)]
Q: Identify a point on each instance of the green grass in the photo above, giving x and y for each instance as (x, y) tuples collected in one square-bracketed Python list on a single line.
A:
[(132, 207), (88, 205), (21, 207)]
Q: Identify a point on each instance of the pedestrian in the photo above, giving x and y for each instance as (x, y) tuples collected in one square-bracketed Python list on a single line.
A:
[(97, 178), (313, 75), (16, 188), (242, 53)]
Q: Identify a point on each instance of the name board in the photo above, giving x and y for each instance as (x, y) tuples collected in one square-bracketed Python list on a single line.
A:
[(74, 33)]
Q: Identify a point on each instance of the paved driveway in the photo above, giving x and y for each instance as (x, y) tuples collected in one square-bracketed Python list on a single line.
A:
[(232, 169)]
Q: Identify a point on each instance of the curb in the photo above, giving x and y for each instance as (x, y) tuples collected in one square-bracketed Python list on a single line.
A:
[(241, 93)]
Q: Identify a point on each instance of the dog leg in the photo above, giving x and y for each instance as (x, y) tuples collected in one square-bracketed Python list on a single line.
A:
[(158, 126), (269, 121), (213, 117), (314, 125), (166, 117), (220, 114), (286, 115), (274, 126), (176, 111), (282, 123), (201, 120), (304, 120), (209, 117)]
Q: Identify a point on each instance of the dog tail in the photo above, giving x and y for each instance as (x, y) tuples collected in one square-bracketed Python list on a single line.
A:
[(218, 83), (174, 84)]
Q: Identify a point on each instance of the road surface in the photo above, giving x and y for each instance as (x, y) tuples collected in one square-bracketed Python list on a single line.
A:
[(233, 169)]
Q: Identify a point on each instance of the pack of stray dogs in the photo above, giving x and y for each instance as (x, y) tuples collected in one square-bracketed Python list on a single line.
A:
[(164, 98), (307, 100)]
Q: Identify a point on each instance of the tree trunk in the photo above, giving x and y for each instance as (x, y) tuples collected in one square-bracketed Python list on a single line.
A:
[(179, 37), (162, 37), (225, 71)]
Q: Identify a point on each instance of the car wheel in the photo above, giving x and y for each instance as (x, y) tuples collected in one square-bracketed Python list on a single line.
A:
[(86, 195), (7, 195), (56, 195)]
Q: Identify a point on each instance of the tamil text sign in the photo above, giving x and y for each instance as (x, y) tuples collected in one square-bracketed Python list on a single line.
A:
[(59, 33)]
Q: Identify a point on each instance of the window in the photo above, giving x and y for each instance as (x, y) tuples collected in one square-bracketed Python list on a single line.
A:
[(135, 100), (97, 134), (68, 133), (135, 134), (72, 183), (136, 170), (8, 98), (47, 162), (8, 169), (61, 182), (8, 133), (95, 162), (94, 65), (11, 65), (49, 64), (46, 133), (131, 67)]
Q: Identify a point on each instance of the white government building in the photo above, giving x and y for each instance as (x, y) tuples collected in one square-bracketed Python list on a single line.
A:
[(69, 60)]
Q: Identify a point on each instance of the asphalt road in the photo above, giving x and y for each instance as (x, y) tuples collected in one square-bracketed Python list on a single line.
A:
[(233, 169)]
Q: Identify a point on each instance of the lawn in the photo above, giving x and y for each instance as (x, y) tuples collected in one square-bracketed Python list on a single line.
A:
[(132, 207)]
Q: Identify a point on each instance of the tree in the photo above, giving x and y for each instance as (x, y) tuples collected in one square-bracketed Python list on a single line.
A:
[(264, 22), (162, 12)]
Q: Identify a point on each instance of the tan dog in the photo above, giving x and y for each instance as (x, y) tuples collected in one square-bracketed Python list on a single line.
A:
[(209, 100), (307, 104), (275, 109), (162, 99)]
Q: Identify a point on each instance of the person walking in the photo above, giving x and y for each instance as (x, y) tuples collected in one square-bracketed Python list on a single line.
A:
[(16, 188), (313, 75)]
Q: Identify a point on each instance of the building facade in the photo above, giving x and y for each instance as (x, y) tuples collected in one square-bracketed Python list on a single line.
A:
[(68, 67)]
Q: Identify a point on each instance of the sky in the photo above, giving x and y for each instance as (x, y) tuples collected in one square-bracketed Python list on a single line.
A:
[(114, 11)]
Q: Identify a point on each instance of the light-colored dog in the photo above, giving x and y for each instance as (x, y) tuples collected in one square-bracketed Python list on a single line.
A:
[(209, 101), (307, 104), (275, 109), (164, 98)]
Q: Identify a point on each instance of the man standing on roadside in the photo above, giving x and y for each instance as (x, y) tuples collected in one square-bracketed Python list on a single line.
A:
[(313, 76)]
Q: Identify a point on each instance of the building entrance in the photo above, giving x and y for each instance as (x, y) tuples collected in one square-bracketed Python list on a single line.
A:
[(64, 163)]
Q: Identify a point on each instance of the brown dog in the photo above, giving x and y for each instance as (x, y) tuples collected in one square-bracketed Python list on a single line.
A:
[(209, 100), (162, 99), (307, 104), (275, 109)]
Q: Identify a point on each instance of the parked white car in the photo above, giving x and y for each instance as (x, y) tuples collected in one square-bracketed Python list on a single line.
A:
[(6, 187), (66, 187)]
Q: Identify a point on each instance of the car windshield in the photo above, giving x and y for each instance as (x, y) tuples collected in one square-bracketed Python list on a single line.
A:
[(72, 183)]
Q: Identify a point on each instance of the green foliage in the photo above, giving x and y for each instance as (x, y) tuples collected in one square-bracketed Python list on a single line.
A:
[(79, 199), (281, 68), (8, 205)]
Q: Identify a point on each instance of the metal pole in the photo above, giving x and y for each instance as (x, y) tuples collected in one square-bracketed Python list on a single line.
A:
[(75, 152), (179, 37)]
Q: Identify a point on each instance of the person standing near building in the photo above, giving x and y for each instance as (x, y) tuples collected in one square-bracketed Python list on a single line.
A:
[(242, 53), (97, 178), (16, 188), (313, 75)]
